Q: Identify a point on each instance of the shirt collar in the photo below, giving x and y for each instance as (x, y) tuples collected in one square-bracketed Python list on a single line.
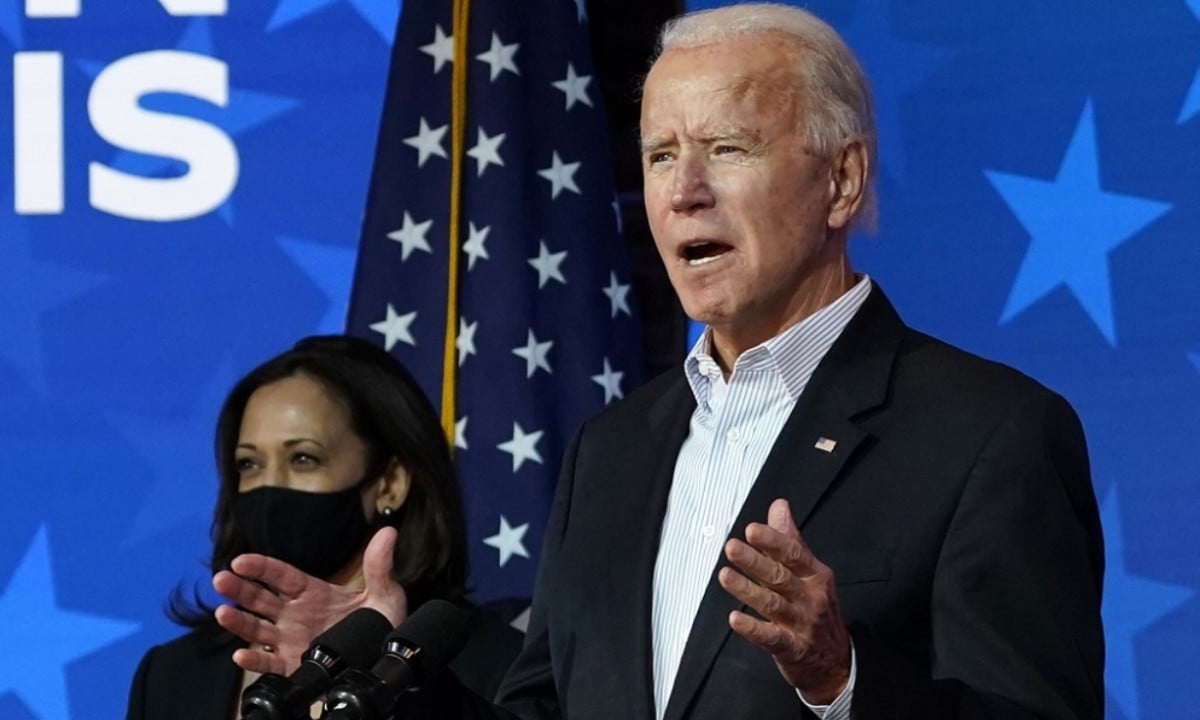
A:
[(793, 354)]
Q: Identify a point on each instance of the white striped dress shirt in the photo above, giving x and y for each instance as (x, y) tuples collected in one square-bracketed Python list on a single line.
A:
[(735, 423)]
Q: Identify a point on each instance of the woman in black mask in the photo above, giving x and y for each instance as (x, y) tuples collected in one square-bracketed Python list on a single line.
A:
[(317, 449)]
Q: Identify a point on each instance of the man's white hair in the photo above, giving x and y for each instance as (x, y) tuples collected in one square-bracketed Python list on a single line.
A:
[(832, 83)]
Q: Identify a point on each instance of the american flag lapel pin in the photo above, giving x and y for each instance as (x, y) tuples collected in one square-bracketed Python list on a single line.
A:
[(825, 444)]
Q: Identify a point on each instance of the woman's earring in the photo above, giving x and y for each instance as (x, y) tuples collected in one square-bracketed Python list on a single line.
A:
[(387, 511)]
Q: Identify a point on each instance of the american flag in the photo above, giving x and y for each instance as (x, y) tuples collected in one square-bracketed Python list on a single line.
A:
[(512, 304)]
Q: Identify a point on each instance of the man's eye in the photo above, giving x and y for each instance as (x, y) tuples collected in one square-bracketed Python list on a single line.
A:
[(658, 157), (727, 149)]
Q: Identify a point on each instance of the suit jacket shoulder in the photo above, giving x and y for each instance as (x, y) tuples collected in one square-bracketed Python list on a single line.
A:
[(189, 678)]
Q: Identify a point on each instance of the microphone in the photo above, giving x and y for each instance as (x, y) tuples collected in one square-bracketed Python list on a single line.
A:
[(351, 642), (413, 653)]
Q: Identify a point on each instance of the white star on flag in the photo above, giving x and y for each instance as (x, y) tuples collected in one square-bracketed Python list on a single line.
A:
[(460, 433), (522, 447), (474, 246), (465, 342), (561, 175), (548, 265), (427, 141), (574, 87), (508, 541), (500, 57), (610, 381), (534, 353), (411, 236), (486, 151), (395, 328), (441, 49), (618, 295)]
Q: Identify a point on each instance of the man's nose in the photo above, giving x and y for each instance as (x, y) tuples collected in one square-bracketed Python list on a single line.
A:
[(690, 189)]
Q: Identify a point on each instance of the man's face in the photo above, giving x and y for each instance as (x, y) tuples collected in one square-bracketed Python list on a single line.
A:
[(739, 209)]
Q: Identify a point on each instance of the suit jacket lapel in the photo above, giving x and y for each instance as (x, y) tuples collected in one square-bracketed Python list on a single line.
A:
[(853, 378), (667, 422)]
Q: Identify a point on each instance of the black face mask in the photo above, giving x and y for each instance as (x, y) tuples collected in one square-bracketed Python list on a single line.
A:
[(318, 533)]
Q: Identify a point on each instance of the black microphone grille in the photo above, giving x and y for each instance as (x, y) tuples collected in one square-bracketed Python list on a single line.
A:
[(357, 638), (439, 628)]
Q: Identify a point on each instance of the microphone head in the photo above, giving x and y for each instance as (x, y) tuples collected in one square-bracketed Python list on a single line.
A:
[(356, 638), (439, 629)]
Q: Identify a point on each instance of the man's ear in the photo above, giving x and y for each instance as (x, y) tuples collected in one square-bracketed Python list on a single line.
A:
[(393, 488), (848, 182)]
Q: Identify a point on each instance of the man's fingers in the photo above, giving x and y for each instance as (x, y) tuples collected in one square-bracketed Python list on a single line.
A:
[(779, 517), (765, 635), (780, 540), (275, 574), (770, 604), (759, 567)]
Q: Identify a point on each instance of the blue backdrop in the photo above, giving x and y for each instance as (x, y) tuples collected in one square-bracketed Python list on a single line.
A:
[(1039, 206)]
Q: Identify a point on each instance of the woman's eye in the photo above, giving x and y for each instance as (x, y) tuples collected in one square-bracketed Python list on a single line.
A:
[(244, 465), (305, 459)]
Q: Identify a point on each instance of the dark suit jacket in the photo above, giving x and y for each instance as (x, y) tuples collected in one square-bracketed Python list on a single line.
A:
[(956, 512), (194, 678)]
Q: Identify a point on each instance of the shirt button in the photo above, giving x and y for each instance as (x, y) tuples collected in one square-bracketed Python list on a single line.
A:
[(708, 531), (733, 435)]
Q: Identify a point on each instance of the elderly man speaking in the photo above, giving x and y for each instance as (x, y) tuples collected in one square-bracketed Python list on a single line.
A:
[(826, 513)]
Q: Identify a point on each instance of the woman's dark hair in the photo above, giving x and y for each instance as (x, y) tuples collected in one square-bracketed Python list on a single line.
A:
[(391, 415)]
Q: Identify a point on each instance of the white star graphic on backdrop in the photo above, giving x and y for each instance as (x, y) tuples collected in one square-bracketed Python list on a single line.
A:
[(561, 175), (618, 295), (441, 49), (395, 328), (500, 57), (610, 381), (474, 246), (548, 265), (460, 433), (534, 353), (465, 342), (427, 141), (411, 236), (486, 151), (574, 87), (508, 541), (522, 447)]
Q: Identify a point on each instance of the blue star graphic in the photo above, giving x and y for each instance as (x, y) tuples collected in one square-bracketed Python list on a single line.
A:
[(1131, 604), (245, 111), (10, 23), (1073, 225), (331, 269), (56, 637), (1191, 105), (28, 288), (379, 14), (179, 452), (895, 68)]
